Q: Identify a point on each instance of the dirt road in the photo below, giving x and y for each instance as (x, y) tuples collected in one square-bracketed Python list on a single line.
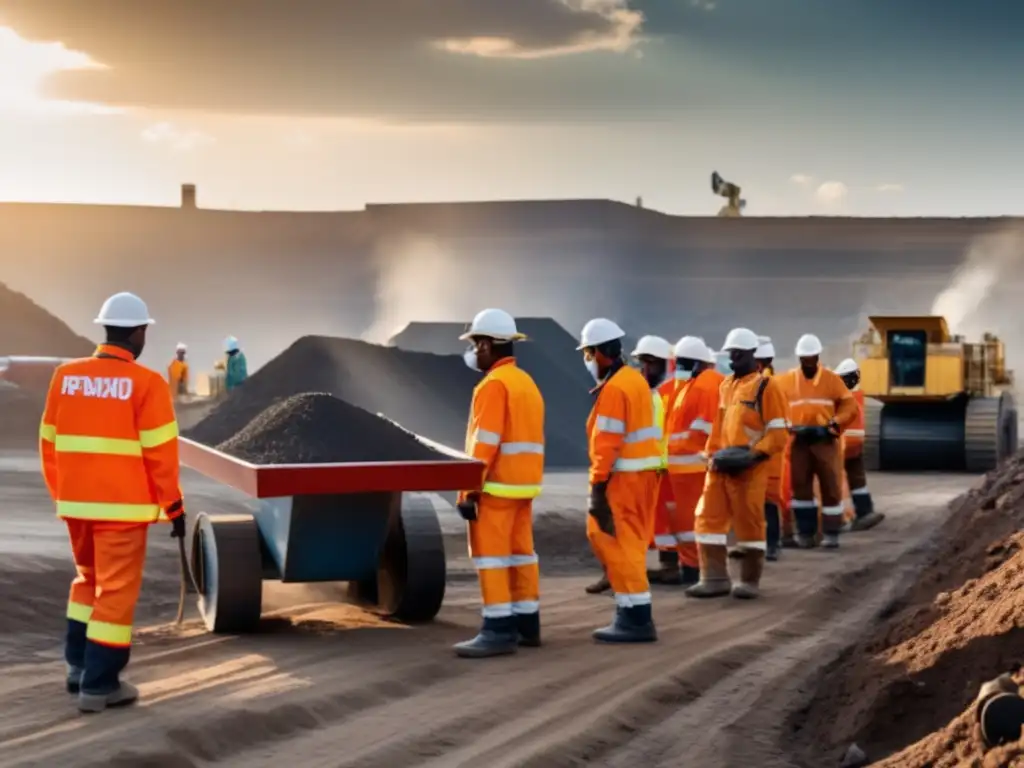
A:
[(327, 684)]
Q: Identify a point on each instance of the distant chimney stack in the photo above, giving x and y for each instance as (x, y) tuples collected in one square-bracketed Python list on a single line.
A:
[(639, 202), (188, 196)]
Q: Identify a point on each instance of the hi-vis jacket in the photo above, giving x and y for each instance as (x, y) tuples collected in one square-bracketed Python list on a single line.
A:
[(662, 398), (506, 432), (690, 420), (109, 441), (815, 402), (739, 422), (177, 377), (853, 435), (621, 431)]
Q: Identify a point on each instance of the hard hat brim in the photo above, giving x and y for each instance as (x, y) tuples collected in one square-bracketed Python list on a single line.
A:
[(124, 323), (502, 337)]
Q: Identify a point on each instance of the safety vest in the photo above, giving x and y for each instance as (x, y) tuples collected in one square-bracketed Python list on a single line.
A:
[(659, 420), (109, 440), (622, 433), (177, 376), (853, 436), (753, 412), (690, 421), (815, 402), (506, 431)]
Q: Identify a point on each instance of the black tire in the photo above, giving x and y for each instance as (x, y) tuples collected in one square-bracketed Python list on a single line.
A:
[(412, 574), (872, 435), (228, 568), (990, 432)]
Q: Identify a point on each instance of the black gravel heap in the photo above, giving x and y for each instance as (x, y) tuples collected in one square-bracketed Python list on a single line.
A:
[(318, 428)]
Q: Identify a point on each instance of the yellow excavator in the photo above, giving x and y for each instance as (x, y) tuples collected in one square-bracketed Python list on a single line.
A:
[(932, 400)]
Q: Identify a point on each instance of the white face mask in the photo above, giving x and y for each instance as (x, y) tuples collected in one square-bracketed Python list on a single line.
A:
[(469, 357), (592, 367), (684, 375)]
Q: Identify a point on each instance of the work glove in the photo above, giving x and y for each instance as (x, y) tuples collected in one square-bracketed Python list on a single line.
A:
[(833, 430), (732, 461), (599, 508), (467, 508), (177, 514)]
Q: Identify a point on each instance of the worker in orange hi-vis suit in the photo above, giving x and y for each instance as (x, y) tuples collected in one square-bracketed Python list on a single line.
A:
[(773, 503), (109, 449), (655, 357), (822, 407), (749, 429), (177, 372), (689, 424), (865, 516), (505, 432), (625, 449)]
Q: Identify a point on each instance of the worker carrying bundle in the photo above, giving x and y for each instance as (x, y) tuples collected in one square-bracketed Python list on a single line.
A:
[(865, 516), (625, 454), (773, 504), (821, 407), (109, 449), (177, 372), (505, 432), (749, 429), (689, 421)]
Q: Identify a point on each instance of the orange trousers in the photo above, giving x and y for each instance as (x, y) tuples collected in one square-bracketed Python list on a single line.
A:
[(734, 502), (674, 529), (633, 497), (501, 546), (109, 558)]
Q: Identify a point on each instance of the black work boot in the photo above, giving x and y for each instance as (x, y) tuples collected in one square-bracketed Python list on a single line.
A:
[(690, 575), (864, 508), (772, 527), (631, 625), (668, 573), (599, 586), (806, 520), (497, 637), (528, 625)]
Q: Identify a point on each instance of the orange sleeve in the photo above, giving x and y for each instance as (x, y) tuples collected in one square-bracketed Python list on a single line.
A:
[(48, 435), (715, 440), (158, 433), (609, 433), (487, 417), (692, 423), (847, 409), (775, 412)]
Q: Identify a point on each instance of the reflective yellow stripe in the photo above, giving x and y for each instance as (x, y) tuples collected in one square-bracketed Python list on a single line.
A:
[(506, 491), (127, 513), (659, 421), (79, 612), (106, 445), (151, 438), (47, 432), (109, 634)]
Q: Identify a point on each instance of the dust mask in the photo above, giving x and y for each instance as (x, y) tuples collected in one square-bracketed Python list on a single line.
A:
[(682, 375), (469, 357), (594, 371)]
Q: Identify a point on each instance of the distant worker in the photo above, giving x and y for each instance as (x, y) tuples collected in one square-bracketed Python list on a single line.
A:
[(235, 369), (865, 516), (505, 432), (822, 407), (690, 419), (177, 372), (109, 449), (625, 454), (773, 504), (655, 356), (749, 429)]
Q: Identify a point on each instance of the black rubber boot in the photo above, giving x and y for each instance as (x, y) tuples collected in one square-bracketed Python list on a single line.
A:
[(690, 575), (599, 586), (806, 520), (772, 529), (497, 637), (864, 508), (528, 625), (668, 573), (73, 683), (631, 625)]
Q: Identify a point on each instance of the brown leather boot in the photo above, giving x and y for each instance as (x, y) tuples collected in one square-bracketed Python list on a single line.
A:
[(668, 570), (714, 572), (599, 586), (750, 575)]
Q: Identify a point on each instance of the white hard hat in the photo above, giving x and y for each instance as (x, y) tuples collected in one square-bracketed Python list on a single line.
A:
[(655, 346), (740, 338), (599, 331), (808, 345), (182, 347), (765, 349), (230, 344), (124, 310), (494, 324), (691, 348), (710, 356), (849, 365)]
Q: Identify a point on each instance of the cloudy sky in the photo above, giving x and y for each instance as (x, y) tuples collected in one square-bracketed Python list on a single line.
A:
[(866, 107)]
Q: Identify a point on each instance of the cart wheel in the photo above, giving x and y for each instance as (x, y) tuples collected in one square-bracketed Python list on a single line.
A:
[(228, 568), (412, 572)]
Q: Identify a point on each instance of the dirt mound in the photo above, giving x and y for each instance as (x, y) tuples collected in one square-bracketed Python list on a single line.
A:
[(958, 625), (426, 393), (20, 414), (315, 427), (28, 329)]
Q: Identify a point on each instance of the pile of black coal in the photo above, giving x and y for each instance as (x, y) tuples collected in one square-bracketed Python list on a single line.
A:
[(315, 428), (28, 329)]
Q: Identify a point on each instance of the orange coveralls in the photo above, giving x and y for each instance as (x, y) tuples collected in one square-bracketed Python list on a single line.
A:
[(816, 402), (506, 432), (689, 425), (109, 450), (177, 377), (737, 501), (625, 450), (854, 478)]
